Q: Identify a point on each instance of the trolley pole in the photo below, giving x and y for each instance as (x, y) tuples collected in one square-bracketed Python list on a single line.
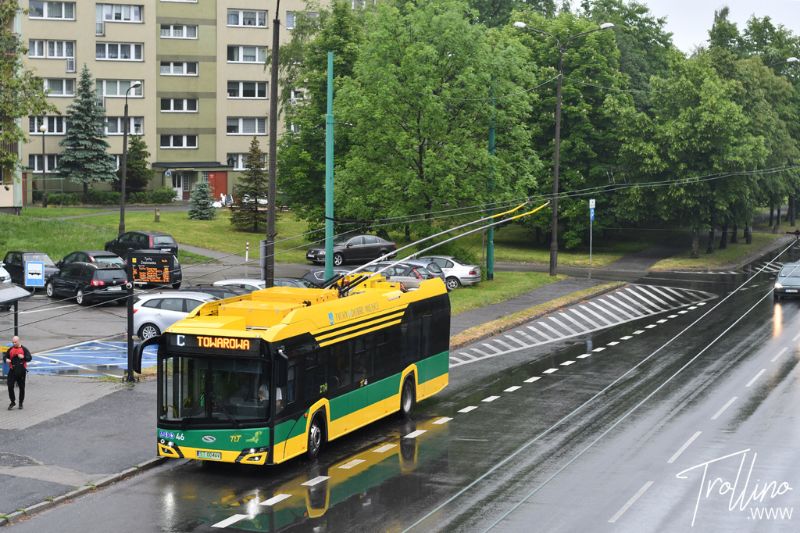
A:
[(269, 270)]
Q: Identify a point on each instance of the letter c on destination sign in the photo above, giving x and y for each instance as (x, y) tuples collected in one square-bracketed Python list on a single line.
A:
[(180, 340)]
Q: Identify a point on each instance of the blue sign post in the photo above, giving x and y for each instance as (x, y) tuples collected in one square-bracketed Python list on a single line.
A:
[(34, 273)]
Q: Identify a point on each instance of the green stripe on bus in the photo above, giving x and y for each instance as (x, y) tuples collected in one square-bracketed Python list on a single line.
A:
[(433, 367), (289, 428), (364, 396)]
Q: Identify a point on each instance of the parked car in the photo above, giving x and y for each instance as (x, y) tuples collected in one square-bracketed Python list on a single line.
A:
[(408, 273), (788, 281), (359, 248), (316, 276), (88, 283), (456, 273), (430, 266), (295, 282), (142, 240), (153, 313), (5, 277), (14, 263), (93, 256), (248, 284), (220, 292)]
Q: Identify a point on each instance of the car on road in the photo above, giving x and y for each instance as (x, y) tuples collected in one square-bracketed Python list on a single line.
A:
[(248, 284), (456, 273), (155, 312), (5, 277), (14, 263), (409, 273), (89, 283), (788, 281), (316, 276), (100, 257), (219, 292), (142, 240), (357, 248)]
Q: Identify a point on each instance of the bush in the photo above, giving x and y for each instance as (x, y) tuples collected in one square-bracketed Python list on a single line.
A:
[(459, 251), (102, 197), (163, 195), (62, 199)]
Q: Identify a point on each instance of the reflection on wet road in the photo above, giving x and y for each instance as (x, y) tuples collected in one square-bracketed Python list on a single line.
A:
[(618, 430)]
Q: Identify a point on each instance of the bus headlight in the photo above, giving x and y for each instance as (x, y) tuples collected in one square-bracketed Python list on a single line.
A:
[(778, 285)]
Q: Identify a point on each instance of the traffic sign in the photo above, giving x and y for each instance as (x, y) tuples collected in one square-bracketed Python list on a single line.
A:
[(591, 214), (34, 273), (591, 203)]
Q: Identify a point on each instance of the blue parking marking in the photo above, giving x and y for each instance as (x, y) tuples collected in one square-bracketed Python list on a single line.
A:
[(91, 358)]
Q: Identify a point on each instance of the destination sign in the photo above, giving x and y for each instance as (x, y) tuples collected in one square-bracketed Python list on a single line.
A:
[(181, 342), (153, 267)]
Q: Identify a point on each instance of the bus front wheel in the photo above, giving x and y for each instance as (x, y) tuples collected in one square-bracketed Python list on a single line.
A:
[(316, 436), (407, 397)]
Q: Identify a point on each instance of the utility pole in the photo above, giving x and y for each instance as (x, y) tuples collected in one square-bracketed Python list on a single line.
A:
[(329, 174), (269, 251), (490, 188)]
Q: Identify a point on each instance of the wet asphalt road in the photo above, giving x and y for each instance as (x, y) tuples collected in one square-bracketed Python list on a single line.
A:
[(618, 440)]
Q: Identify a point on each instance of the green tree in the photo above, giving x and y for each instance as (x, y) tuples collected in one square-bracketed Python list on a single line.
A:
[(418, 108), (724, 33), (84, 158), (138, 174), (200, 207), (253, 185), (497, 13), (21, 93)]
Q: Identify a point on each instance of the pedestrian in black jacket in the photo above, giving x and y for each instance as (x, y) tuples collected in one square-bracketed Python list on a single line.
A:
[(17, 358)]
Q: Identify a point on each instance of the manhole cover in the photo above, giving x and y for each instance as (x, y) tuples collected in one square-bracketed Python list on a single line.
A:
[(12, 459)]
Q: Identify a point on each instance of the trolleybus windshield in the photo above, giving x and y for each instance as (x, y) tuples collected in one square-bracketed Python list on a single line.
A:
[(225, 390)]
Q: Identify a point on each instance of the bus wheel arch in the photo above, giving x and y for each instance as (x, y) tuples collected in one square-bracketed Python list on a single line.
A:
[(317, 434), (408, 396)]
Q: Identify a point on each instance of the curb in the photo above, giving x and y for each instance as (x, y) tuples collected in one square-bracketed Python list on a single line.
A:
[(17, 515), (522, 320)]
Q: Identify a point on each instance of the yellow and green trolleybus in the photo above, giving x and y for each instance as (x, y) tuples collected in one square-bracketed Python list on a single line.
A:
[(275, 374)]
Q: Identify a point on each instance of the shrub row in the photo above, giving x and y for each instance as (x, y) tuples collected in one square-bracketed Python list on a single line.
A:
[(163, 195)]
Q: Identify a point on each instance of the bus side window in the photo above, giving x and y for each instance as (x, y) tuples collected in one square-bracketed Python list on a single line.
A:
[(361, 361), (383, 356), (339, 372), (291, 382), (314, 379), (425, 338)]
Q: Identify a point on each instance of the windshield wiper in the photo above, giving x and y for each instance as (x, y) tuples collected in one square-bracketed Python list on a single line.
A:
[(225, 411)]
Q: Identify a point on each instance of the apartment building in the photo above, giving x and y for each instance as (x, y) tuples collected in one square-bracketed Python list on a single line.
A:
[(202, 91)]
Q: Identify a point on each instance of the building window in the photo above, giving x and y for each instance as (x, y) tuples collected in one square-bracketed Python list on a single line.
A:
[(56, 125), (118, 88), (114, 125), (178, 68), (35, 162), (239, 161), (297, 95), (294, 128), (291, 17), (247, 18), (246, 126), (247, 89), (59, 86), (179, 105), (118, 51), (178, 141), (247, 54), (51, 10), (119, 13), (178, 31), (38, 48)]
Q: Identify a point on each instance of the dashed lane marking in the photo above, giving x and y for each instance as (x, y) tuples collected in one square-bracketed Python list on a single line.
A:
[(415, 434), (638, 332), (661, 321), (599, 349), (567, 363), (443, 420), (584, 355), (468, 409), (550, 371), (683, 448), (683, 311), (780, 353), (723, 408), (512, 388), (756, 377), (386, 447), (630, 502), (613, 343), (350, 464), (490, 399), (625, 338), (316, 481), (275, 499), (230, 520), (649, 326), (531, 380), (672, 316)]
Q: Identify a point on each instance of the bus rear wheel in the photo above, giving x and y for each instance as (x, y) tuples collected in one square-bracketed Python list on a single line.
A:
[(407, 398), (316, 436)]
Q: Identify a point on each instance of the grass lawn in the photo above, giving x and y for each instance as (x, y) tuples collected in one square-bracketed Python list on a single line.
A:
[(505, 285), (731, 255), (54, 212)]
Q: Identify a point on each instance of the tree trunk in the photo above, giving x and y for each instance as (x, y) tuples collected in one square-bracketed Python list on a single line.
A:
[(748, 234), (723, 239), (771, 214), (777, 220), (408, 233), (695, 243), (734, 232), (710, 243), (85, 192), (792, 211)]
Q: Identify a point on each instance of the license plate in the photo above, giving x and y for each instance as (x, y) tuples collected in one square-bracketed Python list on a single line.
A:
[(209, 455), (791, 290), (166, 250), (115, 288)]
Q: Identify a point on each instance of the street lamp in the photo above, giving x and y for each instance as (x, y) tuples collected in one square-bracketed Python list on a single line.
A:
[(43, 130), (124, 162), (562, 46)]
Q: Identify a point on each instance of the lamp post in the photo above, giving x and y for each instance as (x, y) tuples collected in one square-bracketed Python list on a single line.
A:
[(124, 161), (43, 130), (562, 47), (269, 244)]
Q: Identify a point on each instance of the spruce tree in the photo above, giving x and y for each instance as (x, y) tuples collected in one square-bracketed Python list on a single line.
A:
[(84, 158), (253, 185), (138, 173), (200, 203)]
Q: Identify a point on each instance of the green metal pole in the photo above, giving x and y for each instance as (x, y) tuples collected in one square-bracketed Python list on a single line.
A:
[(329, 174), (490, 188)]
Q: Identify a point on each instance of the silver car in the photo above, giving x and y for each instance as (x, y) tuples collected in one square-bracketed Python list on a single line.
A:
[(154, 313), (409, 273), (456, 273), (249, 284)]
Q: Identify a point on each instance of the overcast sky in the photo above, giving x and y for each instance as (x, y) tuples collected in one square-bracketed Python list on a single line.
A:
[(690, 20)]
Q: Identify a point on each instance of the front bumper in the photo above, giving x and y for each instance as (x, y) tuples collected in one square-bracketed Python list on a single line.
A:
[(249, 456)]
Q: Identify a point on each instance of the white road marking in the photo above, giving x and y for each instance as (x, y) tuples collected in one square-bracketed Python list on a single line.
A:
[(701, 304), (650, 326), (533, 329), (468, 409), (316, 481), (275, 499), (577, 324), (465, 354), (512, 388), (350, 464), (415, 434), (613, 343), (647, 303), (503, 343), (672, 316), (603, 321), (635, 312), (480, 352), (531, 339), (599, 349), (46, 309), (443, 420), (492, 348), (563, 326), (625, 338), (755, 377), (550, 371), (490, 399), (661, 321), (653, 296), (614, 317), (638, 332), (664, 294), (567, 363), (584, 355), (692, 307), (630, 502), (683, 311), (531, 380), (383, 449), (558, 334), (724, 407), (780, 353), (230, 520), (643, 309), (683, 448), (512, 338)]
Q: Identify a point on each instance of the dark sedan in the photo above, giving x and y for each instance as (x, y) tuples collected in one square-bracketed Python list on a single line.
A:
[(14, 263), (359, 248), (88, 283), (92, 256)]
